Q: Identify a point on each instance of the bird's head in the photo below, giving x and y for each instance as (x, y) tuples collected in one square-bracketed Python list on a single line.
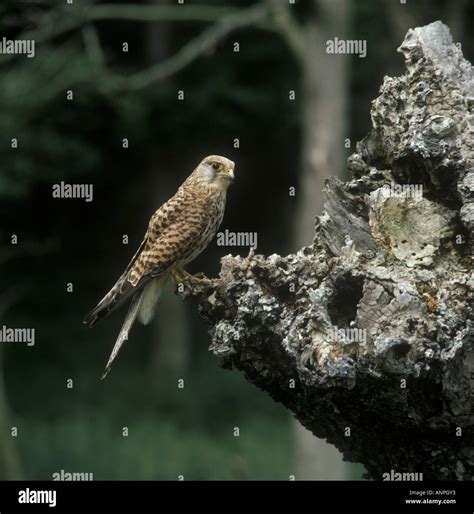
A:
[(214, 171)]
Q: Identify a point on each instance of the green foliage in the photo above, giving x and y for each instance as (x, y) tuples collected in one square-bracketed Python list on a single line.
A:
[(171, 431), (156, 448)]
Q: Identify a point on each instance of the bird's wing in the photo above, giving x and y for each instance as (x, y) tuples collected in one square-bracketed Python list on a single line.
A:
[(165, 253), (172, 246), (170, 235), (122, 289)]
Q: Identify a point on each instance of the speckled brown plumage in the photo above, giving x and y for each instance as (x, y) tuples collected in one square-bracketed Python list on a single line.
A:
[(177, 233)]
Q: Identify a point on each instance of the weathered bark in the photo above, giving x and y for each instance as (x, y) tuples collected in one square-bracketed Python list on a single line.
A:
[(396, 268)]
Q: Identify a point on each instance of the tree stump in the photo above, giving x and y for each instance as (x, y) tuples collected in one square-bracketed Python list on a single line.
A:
[(365, 335)]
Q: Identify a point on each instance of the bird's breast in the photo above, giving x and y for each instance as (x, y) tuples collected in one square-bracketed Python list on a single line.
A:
[(216, 209)]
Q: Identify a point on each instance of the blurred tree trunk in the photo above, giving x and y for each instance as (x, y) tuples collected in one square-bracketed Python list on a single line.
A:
[(325, 86), (324, 108), (172, 341)]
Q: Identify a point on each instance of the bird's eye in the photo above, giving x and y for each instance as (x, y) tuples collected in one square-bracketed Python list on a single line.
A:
[(215, 166)]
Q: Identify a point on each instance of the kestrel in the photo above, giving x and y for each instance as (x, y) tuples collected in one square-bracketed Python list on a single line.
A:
[(177, 233)]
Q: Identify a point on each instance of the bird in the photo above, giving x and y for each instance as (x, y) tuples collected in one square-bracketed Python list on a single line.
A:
[(177, 233)]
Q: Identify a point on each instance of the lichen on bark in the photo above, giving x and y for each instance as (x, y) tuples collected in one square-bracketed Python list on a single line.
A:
[(365, 334)]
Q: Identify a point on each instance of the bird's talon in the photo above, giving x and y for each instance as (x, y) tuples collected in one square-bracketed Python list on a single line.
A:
[(178, 277), (200, 276), (181, 276)]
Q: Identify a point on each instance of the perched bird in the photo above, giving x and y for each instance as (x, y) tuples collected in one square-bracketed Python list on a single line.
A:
[(177, 233)]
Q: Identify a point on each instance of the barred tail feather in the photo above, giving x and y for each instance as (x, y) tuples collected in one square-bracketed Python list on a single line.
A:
[(115, 297)]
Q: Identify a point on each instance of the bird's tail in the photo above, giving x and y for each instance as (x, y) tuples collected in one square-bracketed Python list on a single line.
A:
[(142, 306), (123, 334), (151, 295), (119, 293)]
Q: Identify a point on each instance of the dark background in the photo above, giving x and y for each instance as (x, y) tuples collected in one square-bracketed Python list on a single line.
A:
[(228, 95)]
